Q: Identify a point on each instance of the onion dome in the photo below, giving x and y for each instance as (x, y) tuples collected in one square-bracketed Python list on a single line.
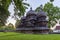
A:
[(31, 12), (23, 18), (41, 12)]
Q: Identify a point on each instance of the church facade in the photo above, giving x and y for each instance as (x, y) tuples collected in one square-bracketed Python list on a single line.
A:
[(34, 22)]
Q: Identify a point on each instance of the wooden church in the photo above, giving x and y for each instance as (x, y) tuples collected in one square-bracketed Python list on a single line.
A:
[(34, 23)]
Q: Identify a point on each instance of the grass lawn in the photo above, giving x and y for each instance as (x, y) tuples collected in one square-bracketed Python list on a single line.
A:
[(20, 36)]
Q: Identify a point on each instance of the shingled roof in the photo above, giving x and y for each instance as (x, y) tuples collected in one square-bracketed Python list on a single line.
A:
[(41, 13), (31, 12)]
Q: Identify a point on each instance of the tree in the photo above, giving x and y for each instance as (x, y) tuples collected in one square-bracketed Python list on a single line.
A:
[(52, 13), (20, 7), (9, 27), (51, 0), (17, 23), (4, 13), (4, 5)]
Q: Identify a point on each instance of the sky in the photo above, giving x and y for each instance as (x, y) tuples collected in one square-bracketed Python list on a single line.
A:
[(34, 4)]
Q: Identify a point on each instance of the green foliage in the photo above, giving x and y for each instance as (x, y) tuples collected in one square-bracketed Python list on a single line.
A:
[(51, 0), (20, 5), (4, 5), (4, 13), (53, 13), (9, 27), (19, 8), (17, 23)]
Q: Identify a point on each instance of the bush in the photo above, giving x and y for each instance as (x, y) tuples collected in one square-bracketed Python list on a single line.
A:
[(7, 29)]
